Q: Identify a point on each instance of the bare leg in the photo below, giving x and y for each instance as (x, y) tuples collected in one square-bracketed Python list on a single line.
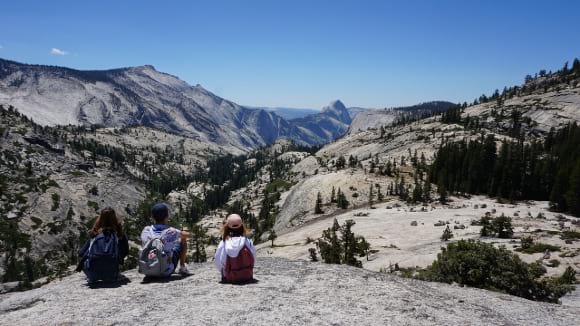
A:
[(183, 252)]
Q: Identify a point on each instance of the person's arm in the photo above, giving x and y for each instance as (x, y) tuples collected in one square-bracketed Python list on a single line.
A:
[(82, 253), (84, 249), (218, 259), (123, 248), (184, 235), (250, 246), (145, 235)]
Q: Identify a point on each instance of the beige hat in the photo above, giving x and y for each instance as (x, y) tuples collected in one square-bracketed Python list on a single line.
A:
[(234, 221)]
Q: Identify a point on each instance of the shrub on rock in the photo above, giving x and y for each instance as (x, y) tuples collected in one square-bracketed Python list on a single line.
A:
[(481, 265)]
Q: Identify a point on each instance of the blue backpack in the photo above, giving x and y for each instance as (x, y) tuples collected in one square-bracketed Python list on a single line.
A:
[(102, 258)]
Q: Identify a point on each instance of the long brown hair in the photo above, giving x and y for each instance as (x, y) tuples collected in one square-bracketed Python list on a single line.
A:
[(107, 221), (228, 232)]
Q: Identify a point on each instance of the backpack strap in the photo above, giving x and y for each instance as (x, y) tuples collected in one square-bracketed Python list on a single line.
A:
[(90, 246), (163, 233), (160, 237), (110, 233)]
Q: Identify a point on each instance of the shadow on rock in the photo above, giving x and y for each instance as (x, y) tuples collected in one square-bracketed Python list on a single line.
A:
[(167, 279), (121, 280), (253, 281)]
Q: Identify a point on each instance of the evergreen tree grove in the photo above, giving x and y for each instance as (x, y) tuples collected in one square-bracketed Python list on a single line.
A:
[(548, 170)]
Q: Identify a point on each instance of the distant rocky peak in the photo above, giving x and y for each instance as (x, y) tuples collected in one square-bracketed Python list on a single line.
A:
[(338, 110), (144, 68), (334, 105)]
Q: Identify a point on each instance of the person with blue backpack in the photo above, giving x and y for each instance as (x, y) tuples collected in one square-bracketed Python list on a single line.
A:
[(163, 246), (106, 249)]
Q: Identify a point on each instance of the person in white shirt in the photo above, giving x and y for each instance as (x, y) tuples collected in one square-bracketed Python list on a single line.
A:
[(234, 239), (175, 240)]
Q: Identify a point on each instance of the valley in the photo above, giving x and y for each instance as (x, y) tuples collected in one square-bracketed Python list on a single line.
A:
[(377, 168), (290, 163)]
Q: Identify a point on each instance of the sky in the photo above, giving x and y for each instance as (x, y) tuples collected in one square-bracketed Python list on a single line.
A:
[(305, 53)]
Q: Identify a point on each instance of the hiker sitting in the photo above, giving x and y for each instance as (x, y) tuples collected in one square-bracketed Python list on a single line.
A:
[(235, 254), (163, 246), (105, 250)]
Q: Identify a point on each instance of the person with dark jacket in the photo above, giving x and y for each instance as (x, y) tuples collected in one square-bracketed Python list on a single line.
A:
[(107, 221)]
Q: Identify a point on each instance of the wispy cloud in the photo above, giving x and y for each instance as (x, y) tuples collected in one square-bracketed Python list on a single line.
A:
[(56, 51)]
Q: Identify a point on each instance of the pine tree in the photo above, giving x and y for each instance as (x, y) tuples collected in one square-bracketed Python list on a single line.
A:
[(380, 195), (29, 271), (417, 192), (568, 277), (352, 161), (333, 196), (340, 163), (388, 169), (341, 200), (272, 236), (198, 240), (312, 253), (427, 191), (572, 196), (443, 196), (486, 227), (318, 206), (447, 234), (371, 196), (576, 67), (350, 244), (364, 246), (329, 245), (502, 226)]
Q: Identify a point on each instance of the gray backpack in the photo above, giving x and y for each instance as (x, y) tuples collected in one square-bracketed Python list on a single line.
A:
[(153, 260)]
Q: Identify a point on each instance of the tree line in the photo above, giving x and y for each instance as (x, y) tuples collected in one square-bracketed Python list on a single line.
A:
[(548, 170)]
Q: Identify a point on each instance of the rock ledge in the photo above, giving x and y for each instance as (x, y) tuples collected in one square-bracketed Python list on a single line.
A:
[(287, 293)]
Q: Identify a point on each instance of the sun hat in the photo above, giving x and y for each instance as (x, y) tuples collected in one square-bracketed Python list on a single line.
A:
[(234, 221)]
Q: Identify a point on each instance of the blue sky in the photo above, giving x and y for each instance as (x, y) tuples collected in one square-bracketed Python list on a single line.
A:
[(305, 53)]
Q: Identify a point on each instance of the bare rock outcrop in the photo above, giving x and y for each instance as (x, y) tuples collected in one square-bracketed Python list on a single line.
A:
[(286, 293)]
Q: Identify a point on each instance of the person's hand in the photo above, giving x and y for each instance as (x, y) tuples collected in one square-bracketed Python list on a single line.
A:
[(185, 235)]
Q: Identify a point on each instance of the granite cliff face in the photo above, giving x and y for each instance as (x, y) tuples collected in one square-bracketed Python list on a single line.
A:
[(143, 96), (287, 293)]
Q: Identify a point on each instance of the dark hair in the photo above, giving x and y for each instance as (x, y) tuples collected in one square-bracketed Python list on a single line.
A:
[(106, 221), (159, 212)]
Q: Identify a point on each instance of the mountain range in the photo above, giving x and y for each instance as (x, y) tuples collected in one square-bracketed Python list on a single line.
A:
[(143, 96), (289, 113)]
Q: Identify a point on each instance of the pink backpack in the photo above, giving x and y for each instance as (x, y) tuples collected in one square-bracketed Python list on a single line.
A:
[(240, 269)]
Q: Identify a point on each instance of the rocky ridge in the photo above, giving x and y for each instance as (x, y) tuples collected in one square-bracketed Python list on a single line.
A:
[(286, 293), (374, 119), (143, 96)]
